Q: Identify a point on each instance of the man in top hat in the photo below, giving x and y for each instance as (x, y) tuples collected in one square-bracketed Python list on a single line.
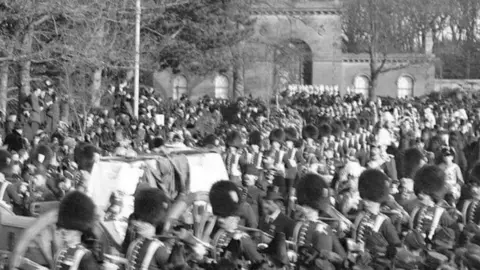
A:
[(76, 221), (274, 219), (252, 191), (36, 110), (230, 242), (15, 141), (373, 231), (313, 197)]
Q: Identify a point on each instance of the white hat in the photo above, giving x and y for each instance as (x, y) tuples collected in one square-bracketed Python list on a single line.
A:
[(388, 117)]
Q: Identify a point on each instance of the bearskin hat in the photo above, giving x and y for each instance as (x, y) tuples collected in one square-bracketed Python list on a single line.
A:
[(430, 180), (474, 176), (411, 162), (150, 205), (337, 129), (5, 160), (225, 198), (76, 212), (277, 135), (325, 130), (255, 138), (362, 122), (310, 132), (353, 126), (373, 185), (234, 139), (313, 191), (291, 134), (84, 156), (211, 140), (42, 154)]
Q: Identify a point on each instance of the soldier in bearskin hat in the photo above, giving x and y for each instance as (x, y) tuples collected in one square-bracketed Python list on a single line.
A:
[(229, 241), (314, 237), (374, 231), (141, 246), (338, 132), (311, 152), (76, 221), (470, 199), (274, 155), (85, 155), (429, 217), (255, 153), (233, 156), (291, 159)]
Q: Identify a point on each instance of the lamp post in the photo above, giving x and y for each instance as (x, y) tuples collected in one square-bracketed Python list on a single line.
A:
[(136, 92)]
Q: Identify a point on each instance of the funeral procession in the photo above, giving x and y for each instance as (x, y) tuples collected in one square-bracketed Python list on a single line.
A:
[(239, 134)]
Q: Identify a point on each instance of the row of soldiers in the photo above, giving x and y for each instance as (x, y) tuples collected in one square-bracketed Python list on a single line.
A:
[(318, 239), (277, 212)]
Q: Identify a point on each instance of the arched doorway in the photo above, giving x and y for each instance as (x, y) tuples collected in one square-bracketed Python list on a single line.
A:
[(293, 63)]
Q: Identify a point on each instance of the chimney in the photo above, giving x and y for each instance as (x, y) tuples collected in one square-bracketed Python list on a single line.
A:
[(429, 43)]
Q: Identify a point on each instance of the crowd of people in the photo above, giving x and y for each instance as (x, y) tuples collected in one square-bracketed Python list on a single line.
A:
[(316, 181)]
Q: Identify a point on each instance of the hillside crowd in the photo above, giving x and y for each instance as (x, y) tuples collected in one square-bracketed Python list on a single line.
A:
[(316, 181)]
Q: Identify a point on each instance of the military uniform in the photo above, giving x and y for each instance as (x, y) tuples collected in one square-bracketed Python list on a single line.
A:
[(233, 156), (314, 237), (147, 253), (76, 257), (225, 197), (77, 213), (470, 211), (144, 250), (310, 152), (373, 232), (428, 217)]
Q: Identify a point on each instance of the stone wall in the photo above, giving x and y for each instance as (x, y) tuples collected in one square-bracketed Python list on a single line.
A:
[(423, 75), (443, 84), (318, 24)]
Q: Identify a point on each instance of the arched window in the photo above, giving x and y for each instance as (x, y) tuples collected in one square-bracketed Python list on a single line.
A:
[(221, 87), (179, 86), (361, 85), (405, 86)]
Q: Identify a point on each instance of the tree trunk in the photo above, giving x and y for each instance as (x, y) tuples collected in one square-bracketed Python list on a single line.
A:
[(4, 86), (238, 80), (26, 64), (373, 87), (97, 87)]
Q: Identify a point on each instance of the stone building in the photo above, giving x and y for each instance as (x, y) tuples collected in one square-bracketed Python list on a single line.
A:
[(312, 29)]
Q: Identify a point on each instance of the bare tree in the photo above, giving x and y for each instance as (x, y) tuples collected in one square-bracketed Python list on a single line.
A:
[(382, 28)]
